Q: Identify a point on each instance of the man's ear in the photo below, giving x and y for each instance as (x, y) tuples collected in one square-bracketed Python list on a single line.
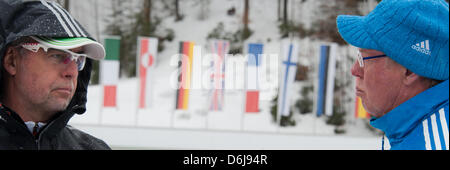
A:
[(410, 77), (10, 61)]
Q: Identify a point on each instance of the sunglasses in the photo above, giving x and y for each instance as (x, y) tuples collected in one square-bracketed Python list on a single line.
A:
[(58, 56), (361, 59)]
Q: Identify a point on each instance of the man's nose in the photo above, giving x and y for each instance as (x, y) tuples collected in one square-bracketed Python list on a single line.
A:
[(70, 70), (356, 70)]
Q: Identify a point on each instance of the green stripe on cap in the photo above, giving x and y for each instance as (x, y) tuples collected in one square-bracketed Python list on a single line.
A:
[(91, 48), (65, 41)]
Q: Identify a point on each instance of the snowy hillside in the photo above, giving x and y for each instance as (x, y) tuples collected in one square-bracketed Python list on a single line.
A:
[(163, 127)]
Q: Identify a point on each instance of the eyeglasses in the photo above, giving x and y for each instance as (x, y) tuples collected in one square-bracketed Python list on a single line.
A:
[(58, 56), (361, 59)]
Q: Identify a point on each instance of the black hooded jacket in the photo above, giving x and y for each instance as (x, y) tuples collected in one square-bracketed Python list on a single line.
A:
[(40, 18)]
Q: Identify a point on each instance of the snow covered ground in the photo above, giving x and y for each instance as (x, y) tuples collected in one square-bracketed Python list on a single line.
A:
[(163, 127), (121, 137)]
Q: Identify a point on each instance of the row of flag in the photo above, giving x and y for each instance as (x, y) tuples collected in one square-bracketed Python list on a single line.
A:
[(147, 56)]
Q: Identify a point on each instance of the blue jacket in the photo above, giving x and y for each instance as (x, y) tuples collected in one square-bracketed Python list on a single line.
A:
[(420, 123)]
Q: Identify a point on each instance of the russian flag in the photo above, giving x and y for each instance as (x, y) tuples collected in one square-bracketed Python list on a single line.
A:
[(220, 49), (255, 51), (146, 57), (109, 71)]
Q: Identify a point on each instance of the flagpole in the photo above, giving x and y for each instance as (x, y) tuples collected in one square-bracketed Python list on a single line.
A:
[(278, 116), (101, 97), (244, 97), (171, 118), (244, 90), (208, 94), (101, 104), (138, 76), (316, 91), (210, 91)]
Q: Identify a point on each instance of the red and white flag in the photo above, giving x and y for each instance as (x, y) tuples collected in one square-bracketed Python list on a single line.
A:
[(146, 57)]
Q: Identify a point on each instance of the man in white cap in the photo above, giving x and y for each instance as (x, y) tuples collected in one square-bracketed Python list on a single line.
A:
[(46, 59)]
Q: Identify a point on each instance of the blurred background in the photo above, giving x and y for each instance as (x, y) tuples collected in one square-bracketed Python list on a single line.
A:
[(311, 24)]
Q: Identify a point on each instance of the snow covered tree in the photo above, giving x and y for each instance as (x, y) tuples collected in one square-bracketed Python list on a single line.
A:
[(128, 23), (116, 19), (204, 9), (290, 27), (285, 12), (324, 28), (178, 16), (279, 10), (145, 18), (117, 26), (246, 31), (65, 4)]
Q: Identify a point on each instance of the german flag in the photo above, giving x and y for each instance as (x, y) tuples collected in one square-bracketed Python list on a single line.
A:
[(184, 78)]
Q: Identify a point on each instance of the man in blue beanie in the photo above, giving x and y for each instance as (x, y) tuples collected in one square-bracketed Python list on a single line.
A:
[(402, 70)]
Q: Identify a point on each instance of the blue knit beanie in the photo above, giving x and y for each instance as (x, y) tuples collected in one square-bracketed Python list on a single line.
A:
[(414, 33)]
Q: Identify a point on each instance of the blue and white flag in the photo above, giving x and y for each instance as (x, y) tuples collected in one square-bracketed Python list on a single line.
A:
[(289, 52), (327, 71)]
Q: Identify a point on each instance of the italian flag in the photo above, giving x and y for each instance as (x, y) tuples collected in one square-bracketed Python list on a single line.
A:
[(109, 71), (147, 51)]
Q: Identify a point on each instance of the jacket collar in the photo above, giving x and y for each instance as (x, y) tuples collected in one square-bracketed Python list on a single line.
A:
[(401, 120), (55, 125)]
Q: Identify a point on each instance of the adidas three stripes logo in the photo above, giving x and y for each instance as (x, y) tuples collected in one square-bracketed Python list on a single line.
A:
[(423, 47)]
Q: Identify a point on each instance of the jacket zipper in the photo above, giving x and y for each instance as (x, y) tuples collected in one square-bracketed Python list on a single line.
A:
[(37, 144), (37, 140), (35, 132), (42, 132)]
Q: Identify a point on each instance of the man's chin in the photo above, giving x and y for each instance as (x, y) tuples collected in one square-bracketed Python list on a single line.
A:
[(58, 105)]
